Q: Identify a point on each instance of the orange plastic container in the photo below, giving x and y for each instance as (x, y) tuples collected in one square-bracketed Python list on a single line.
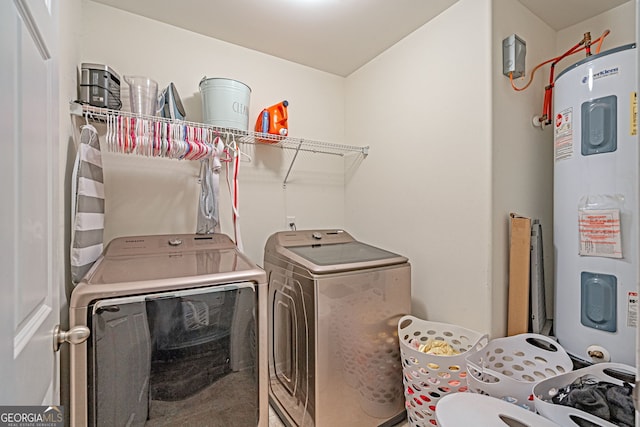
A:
[(273, 120)]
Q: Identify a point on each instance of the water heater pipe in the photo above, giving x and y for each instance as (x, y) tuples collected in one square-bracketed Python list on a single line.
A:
[(584, 44)]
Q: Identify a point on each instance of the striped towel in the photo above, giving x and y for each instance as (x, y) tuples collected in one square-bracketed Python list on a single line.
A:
[(87, 209)]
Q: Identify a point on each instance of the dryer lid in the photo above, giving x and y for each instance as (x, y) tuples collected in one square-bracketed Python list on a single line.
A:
[(169, 257), (177, 266)]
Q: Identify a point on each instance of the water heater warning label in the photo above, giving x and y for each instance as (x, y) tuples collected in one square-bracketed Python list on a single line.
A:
[(600, 233), (634, 114), (632, 309), (563, 134)]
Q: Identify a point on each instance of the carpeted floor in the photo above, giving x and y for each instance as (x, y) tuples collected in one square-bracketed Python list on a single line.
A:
[(216, 405)]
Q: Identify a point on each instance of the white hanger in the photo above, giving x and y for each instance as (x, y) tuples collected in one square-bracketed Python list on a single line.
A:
[(233, 146)]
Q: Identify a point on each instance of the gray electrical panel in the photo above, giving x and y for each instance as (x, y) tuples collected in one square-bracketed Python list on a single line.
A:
[(598, 301), (514, 50), (599, 125)]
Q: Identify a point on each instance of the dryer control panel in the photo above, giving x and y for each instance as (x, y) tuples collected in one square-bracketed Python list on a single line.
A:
[(158, 244)]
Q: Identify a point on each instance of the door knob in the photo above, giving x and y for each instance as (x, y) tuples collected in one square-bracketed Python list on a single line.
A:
[(75, 335)]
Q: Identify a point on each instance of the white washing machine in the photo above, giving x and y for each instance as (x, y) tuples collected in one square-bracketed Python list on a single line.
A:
[(177, 335), (596, 207), (334, 305)]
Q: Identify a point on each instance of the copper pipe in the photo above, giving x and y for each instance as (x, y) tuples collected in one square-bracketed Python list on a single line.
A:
[(587, 42)]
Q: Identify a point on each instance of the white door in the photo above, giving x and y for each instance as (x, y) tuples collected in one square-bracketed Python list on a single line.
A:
[(30, 257)]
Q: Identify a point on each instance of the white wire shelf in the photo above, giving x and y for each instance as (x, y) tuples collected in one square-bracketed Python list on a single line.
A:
[(243, 137)]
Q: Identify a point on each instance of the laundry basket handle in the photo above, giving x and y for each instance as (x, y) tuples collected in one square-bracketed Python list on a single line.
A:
[(476, 362), (482, 342), (410, 327), (405, 322), (553, 345)]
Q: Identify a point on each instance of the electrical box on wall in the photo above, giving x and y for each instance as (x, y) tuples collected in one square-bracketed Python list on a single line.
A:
[(514, 49)]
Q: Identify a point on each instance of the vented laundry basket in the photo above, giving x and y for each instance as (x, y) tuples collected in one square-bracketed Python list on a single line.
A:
[(427, 377), (572, 416), (480, 410), (508, 368)]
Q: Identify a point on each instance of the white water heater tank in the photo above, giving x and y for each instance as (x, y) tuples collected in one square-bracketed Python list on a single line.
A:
[(596, 215)]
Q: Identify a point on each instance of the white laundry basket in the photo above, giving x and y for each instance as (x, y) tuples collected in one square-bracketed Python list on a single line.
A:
[(569, 416), (508, 368), (427, 377), (471, 410)]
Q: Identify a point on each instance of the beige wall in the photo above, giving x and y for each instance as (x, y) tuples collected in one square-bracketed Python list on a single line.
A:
[(153, 196), (620, 21), (522, 174), (425, 190)]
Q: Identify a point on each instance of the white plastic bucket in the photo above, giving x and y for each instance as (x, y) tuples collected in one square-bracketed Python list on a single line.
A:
[(225, 103), (143, 95)]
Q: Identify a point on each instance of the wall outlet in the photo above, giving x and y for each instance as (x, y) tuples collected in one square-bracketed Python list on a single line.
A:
[(290, 223)]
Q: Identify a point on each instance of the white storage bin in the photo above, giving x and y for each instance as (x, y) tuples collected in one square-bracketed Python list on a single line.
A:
[(427, 377), (567, 415), (508, 368)]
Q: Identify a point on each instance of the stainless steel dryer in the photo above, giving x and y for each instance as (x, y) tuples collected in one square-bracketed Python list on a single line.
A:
[(334, 304), (178, 335)]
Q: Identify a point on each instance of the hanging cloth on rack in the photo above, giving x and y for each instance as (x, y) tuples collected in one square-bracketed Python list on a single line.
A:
[(87, 204), (232, 184), (207, 205), (208, 209)]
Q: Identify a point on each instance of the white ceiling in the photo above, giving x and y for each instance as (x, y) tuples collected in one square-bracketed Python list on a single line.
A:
[(337, 36)]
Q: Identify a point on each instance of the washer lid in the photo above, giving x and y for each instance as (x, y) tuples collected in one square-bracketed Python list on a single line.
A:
[(327, 251), (327, 258), (342, 253)]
